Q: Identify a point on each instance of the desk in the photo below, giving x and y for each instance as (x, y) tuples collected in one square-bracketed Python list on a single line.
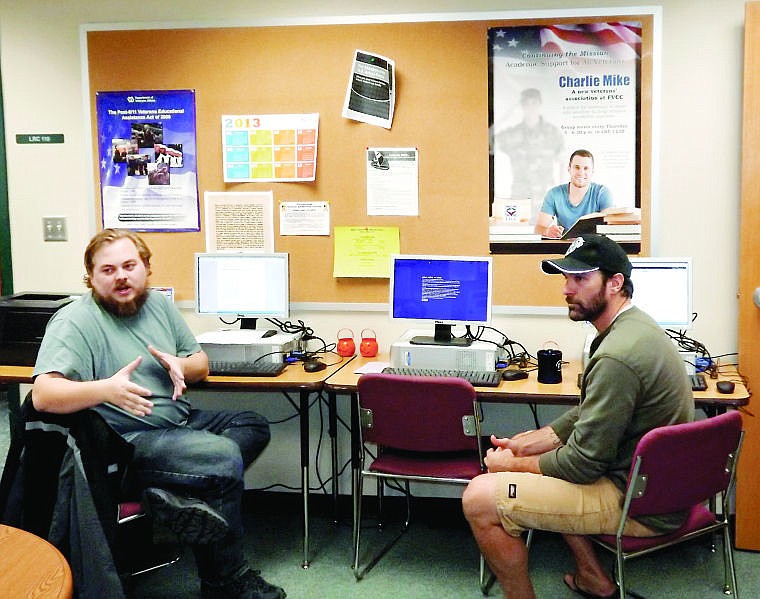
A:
[(525, 391), (292, 379), (32, 567), (565, 393)]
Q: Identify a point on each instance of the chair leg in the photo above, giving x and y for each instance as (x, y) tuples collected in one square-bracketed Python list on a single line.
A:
[(380, 502), (357, 523), (487, 579), (618, 572), (360, 572), (408, 495), (729, 570)]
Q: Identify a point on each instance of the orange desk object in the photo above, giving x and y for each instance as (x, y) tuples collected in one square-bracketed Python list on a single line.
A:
[(32, 567)]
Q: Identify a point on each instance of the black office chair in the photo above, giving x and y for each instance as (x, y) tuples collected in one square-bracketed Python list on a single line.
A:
[(66, 470)]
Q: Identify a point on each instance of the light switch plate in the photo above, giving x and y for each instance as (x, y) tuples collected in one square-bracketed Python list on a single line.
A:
[(54, 228)]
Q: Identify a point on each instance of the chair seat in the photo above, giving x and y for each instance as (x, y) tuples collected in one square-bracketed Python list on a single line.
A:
[(699, 518), (130, 509), (459, 466)]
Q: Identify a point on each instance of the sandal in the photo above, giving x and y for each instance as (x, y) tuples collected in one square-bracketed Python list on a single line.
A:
[(573, 585)]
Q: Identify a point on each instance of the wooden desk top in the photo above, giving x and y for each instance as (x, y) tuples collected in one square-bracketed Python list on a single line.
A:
[(293, 377), (32, 567), (565, 393), (339, 378), (16, 374)]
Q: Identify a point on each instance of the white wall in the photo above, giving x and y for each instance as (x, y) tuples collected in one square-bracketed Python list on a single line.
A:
[(697, 196)]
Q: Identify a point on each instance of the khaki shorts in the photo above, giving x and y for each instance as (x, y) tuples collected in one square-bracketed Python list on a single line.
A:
[(532, 501)]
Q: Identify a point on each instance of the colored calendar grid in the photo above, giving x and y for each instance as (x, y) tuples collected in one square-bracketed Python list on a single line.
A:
[(269, 147)]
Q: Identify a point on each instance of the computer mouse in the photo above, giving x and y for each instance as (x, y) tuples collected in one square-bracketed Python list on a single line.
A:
[(313, 366), (514, 375), (725, 386), (269, 333)]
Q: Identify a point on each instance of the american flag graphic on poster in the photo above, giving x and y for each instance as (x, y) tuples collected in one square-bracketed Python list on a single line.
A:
[(555, 89)]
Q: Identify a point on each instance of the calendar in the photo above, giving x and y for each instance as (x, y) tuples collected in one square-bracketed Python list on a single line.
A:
[(269, 147)]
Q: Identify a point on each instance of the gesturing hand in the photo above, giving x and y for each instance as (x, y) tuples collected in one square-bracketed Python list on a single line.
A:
[(128, 395), (173, 366)]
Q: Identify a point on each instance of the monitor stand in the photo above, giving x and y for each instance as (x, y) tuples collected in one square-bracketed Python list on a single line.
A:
[(442, 336)]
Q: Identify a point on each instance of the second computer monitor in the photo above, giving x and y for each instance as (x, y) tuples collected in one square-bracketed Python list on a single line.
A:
[(443, 291), (662, 288)]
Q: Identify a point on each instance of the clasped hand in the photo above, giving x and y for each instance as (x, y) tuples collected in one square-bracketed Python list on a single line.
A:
[(518, 453)]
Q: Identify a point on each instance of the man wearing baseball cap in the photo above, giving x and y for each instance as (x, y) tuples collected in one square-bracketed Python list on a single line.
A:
[(570, 476)]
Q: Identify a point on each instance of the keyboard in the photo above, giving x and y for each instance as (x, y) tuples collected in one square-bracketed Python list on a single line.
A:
[(698, 382), (477, 378), (222, 368)]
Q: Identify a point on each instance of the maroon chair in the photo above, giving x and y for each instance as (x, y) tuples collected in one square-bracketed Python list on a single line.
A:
[(426, 429), (680, 468)]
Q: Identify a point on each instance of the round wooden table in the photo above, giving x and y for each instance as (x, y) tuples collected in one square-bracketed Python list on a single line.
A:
[(31, 567)]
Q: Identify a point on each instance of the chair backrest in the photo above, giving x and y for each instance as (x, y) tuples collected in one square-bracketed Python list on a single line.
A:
[(417, 413), (685, 464)]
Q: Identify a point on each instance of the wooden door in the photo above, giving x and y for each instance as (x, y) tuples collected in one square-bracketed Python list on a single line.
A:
[(747, 496)]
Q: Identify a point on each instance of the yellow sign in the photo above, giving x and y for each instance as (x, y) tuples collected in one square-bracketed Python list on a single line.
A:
[(364, 251)]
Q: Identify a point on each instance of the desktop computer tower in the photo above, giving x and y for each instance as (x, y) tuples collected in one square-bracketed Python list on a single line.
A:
[(247, 345), (477, 356)]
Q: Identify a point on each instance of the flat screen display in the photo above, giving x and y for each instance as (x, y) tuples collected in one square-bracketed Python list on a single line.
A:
[(662, 288), (443, 290), (243, 285)]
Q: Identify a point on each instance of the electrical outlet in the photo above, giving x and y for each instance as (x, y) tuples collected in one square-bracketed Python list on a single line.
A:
[(54, 228)]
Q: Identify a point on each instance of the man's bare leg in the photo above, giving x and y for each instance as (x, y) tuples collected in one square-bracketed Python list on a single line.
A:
[(506, 555), (590, 575)]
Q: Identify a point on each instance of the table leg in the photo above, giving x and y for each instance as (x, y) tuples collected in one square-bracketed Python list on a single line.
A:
[(332, 417), (304, 420)]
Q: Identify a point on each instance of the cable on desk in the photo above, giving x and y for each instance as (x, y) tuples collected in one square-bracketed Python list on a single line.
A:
[(522, 357)]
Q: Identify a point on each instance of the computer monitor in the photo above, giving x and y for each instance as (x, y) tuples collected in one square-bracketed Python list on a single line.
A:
[(443, 290), (242, 285), (662, 288)]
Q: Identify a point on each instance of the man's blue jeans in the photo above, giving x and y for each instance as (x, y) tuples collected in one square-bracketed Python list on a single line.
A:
[(205, 459)]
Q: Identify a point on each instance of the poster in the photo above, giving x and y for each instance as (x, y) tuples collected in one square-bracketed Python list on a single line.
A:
[(371, 89), (147, 159), (269, 147), (556, 89)]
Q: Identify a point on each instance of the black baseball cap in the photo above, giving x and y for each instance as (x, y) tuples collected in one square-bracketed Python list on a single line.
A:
[(588, 253)]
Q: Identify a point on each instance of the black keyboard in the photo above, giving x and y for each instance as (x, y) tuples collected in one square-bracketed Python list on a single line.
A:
[(698, 382), (477, 378), (222, 368)]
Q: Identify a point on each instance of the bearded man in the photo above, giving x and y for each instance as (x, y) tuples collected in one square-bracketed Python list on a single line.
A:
[(126, 352), (570, 476)]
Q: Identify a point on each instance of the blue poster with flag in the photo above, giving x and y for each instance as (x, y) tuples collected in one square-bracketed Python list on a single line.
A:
[(556, 89), (147, 158)]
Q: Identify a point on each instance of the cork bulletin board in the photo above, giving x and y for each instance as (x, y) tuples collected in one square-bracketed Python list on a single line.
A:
[(441, 109)]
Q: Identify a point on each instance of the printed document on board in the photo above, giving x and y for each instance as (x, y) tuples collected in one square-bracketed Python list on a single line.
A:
[(392, 181), (238, 221), (371, 90)]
